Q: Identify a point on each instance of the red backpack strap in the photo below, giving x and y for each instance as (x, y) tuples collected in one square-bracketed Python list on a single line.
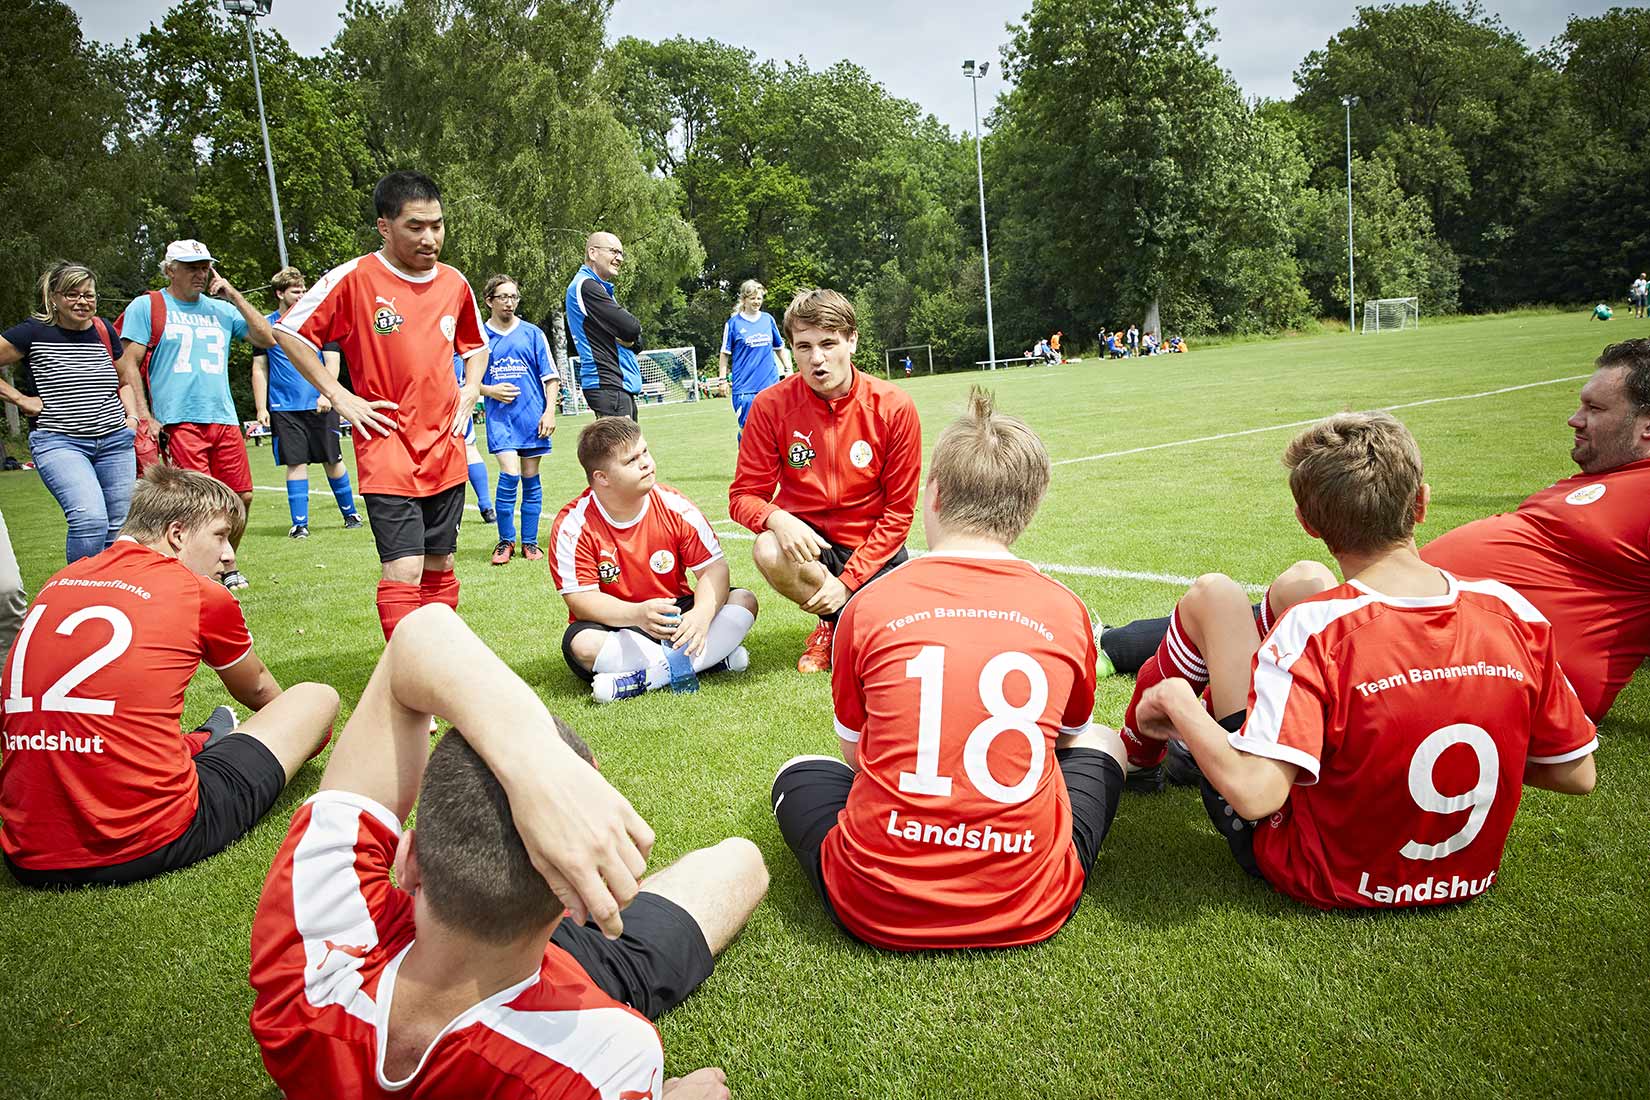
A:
[(157, 327), (104, 334)]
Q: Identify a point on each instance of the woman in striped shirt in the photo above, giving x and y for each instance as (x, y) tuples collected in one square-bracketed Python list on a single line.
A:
[(81, 421)]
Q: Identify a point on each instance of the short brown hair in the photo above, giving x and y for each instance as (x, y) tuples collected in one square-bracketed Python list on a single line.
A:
[(1632, 356), (475, 870), (165, 495), (604, 438), (493, 284), (824, 309), (1355, 478), (285, 278), (991, 471)]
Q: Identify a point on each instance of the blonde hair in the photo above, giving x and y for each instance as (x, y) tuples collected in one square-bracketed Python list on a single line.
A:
[(822, 309), (1355, 478), (285, 278), (165, 495), (991, 471), (60, 278), (750, 287)]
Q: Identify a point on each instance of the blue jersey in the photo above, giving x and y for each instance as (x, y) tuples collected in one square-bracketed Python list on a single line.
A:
[(752, 345), (289, 390), (521, 357), (596, 322), (189, 366)]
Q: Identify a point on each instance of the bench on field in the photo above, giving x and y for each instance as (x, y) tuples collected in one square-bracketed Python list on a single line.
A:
[(983, 364), (653, 391)]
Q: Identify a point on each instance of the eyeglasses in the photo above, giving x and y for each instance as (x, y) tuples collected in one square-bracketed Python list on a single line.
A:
[(78, 295), (619, 252), (505, 298)]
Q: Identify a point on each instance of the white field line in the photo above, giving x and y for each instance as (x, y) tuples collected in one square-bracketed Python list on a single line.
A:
[(1315, 419)]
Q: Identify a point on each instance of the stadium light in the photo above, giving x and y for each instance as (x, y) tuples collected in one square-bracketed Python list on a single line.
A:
[(253, 9), (1349, 102), (974, 74)]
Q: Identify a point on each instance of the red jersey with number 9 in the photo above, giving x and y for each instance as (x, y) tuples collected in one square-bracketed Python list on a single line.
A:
[(1411, 720), (954, 674), (96, 771)]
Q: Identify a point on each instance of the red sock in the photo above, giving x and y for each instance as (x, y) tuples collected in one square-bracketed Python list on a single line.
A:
[(1175, 656), (196, 741), (325, 741), (439, 587), (396, 600), (1266, 620)]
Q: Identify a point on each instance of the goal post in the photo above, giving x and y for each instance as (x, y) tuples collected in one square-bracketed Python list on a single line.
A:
[(669, 375), (922, 356), (1391, 314)]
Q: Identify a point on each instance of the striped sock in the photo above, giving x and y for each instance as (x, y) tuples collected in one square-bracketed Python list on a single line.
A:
[(1175, 656)]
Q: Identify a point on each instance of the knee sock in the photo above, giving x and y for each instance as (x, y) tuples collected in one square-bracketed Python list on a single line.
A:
[(1176, 656), (478, 482), (632, 651), (726, 631), (341, 493), (297, 502), (1129, 647), (532, 503), (396, 600), (628, 651), (439, 586), (507, 487)]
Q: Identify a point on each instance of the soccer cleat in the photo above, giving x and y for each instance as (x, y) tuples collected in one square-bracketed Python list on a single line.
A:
[(610, 686), (816, 653), (683, 679), (220, 724), (489, 515), (1180, 767), (1102, 663), (531, 551), (503, 552), (233, 580), (1144, 780), (353, 521), (299, 531)]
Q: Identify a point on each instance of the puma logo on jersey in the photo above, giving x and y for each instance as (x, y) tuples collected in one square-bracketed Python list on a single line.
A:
[(385, 319), (607, 565), (800, 455), (349, 949), (638, 1094)]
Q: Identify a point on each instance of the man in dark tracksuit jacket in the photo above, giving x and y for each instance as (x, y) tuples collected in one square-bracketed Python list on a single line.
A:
[(604, 332)]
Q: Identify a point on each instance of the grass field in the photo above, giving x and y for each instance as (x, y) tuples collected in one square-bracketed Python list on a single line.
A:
[(1176, 976)]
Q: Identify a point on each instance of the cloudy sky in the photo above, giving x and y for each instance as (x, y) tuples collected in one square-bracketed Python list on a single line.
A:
[(915, 47)]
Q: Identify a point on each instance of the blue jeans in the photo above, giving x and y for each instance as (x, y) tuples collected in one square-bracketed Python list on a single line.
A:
[(92, 480)]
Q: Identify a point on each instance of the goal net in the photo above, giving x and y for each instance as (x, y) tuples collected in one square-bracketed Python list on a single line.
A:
[(921, 356), (669, 375), (1391, 314)]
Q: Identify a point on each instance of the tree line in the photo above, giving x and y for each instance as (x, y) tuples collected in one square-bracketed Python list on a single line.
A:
[(1124, 167)]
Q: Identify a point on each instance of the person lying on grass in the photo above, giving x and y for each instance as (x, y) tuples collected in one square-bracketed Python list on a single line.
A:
[(462, 978), (98, 784), (1372, 747)]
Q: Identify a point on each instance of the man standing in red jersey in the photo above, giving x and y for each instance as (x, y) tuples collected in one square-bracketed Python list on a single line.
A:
[(973, 794), (400, 316), (97, 783), (828, 469)]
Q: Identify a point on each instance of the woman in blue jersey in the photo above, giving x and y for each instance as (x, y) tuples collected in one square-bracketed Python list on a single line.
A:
[(519, 392), (752, 344)]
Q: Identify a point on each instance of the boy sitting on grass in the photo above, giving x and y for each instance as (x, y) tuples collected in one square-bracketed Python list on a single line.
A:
[(1391, 721)]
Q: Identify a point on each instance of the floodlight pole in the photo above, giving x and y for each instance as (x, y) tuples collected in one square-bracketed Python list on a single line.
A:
[(974, 75), (1349, 101), (248, 10)]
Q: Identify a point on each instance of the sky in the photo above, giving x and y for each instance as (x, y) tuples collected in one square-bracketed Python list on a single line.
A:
[(915, 48)]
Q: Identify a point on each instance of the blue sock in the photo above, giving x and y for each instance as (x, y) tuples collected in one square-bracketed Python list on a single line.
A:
[(297, 502), (532, 503), (507, 484), (478, 482), (341, 493)]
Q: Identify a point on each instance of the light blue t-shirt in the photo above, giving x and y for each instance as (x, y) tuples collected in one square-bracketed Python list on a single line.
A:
[(522, 357), (751, 345), (189, 368)]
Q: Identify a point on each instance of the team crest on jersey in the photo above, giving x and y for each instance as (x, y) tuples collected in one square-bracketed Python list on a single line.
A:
[(385, 319), (860, 454), (449, 325), (607, 566), (662, 561), (801, 455), (1587, 494)]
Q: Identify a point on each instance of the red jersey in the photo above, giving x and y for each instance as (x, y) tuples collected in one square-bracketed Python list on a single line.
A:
[(1579, 551), (1411, 720), (645, 558), (848, 468), (399, 333), (328, 940), (954, 674), (96, 771)]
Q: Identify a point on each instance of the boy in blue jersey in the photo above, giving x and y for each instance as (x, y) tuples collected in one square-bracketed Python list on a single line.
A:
[(605, 333), (303, 422), (757, 352), (188, 361), (519, 392), (472, 457)]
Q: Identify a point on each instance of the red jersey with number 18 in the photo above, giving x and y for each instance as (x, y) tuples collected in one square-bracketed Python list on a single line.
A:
[(954, 674), (96, 771), (1411, 720)]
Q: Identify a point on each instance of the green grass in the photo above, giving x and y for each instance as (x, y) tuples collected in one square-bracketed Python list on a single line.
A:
[(1177, 975)]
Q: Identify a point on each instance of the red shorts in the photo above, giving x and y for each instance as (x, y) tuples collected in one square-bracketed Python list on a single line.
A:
[(215, 449)]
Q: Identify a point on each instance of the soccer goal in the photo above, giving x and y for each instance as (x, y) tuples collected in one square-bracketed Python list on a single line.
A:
[(669, 375), (1391, 314), (921, 356)]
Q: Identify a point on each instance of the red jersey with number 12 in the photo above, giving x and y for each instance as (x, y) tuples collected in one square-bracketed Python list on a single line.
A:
[(399, 333), (96, 771), (1411, 720), (955, 674)]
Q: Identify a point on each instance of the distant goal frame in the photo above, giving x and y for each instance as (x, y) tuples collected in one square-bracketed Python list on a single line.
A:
[(659, 387), (888, 358), (1391, 314)]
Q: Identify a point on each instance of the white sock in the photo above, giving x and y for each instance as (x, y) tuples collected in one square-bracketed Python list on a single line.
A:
[(627, 651), (726, 631)]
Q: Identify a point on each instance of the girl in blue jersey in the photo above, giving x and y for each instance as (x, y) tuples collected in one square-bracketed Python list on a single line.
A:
[(751, 341), (520, 390)]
